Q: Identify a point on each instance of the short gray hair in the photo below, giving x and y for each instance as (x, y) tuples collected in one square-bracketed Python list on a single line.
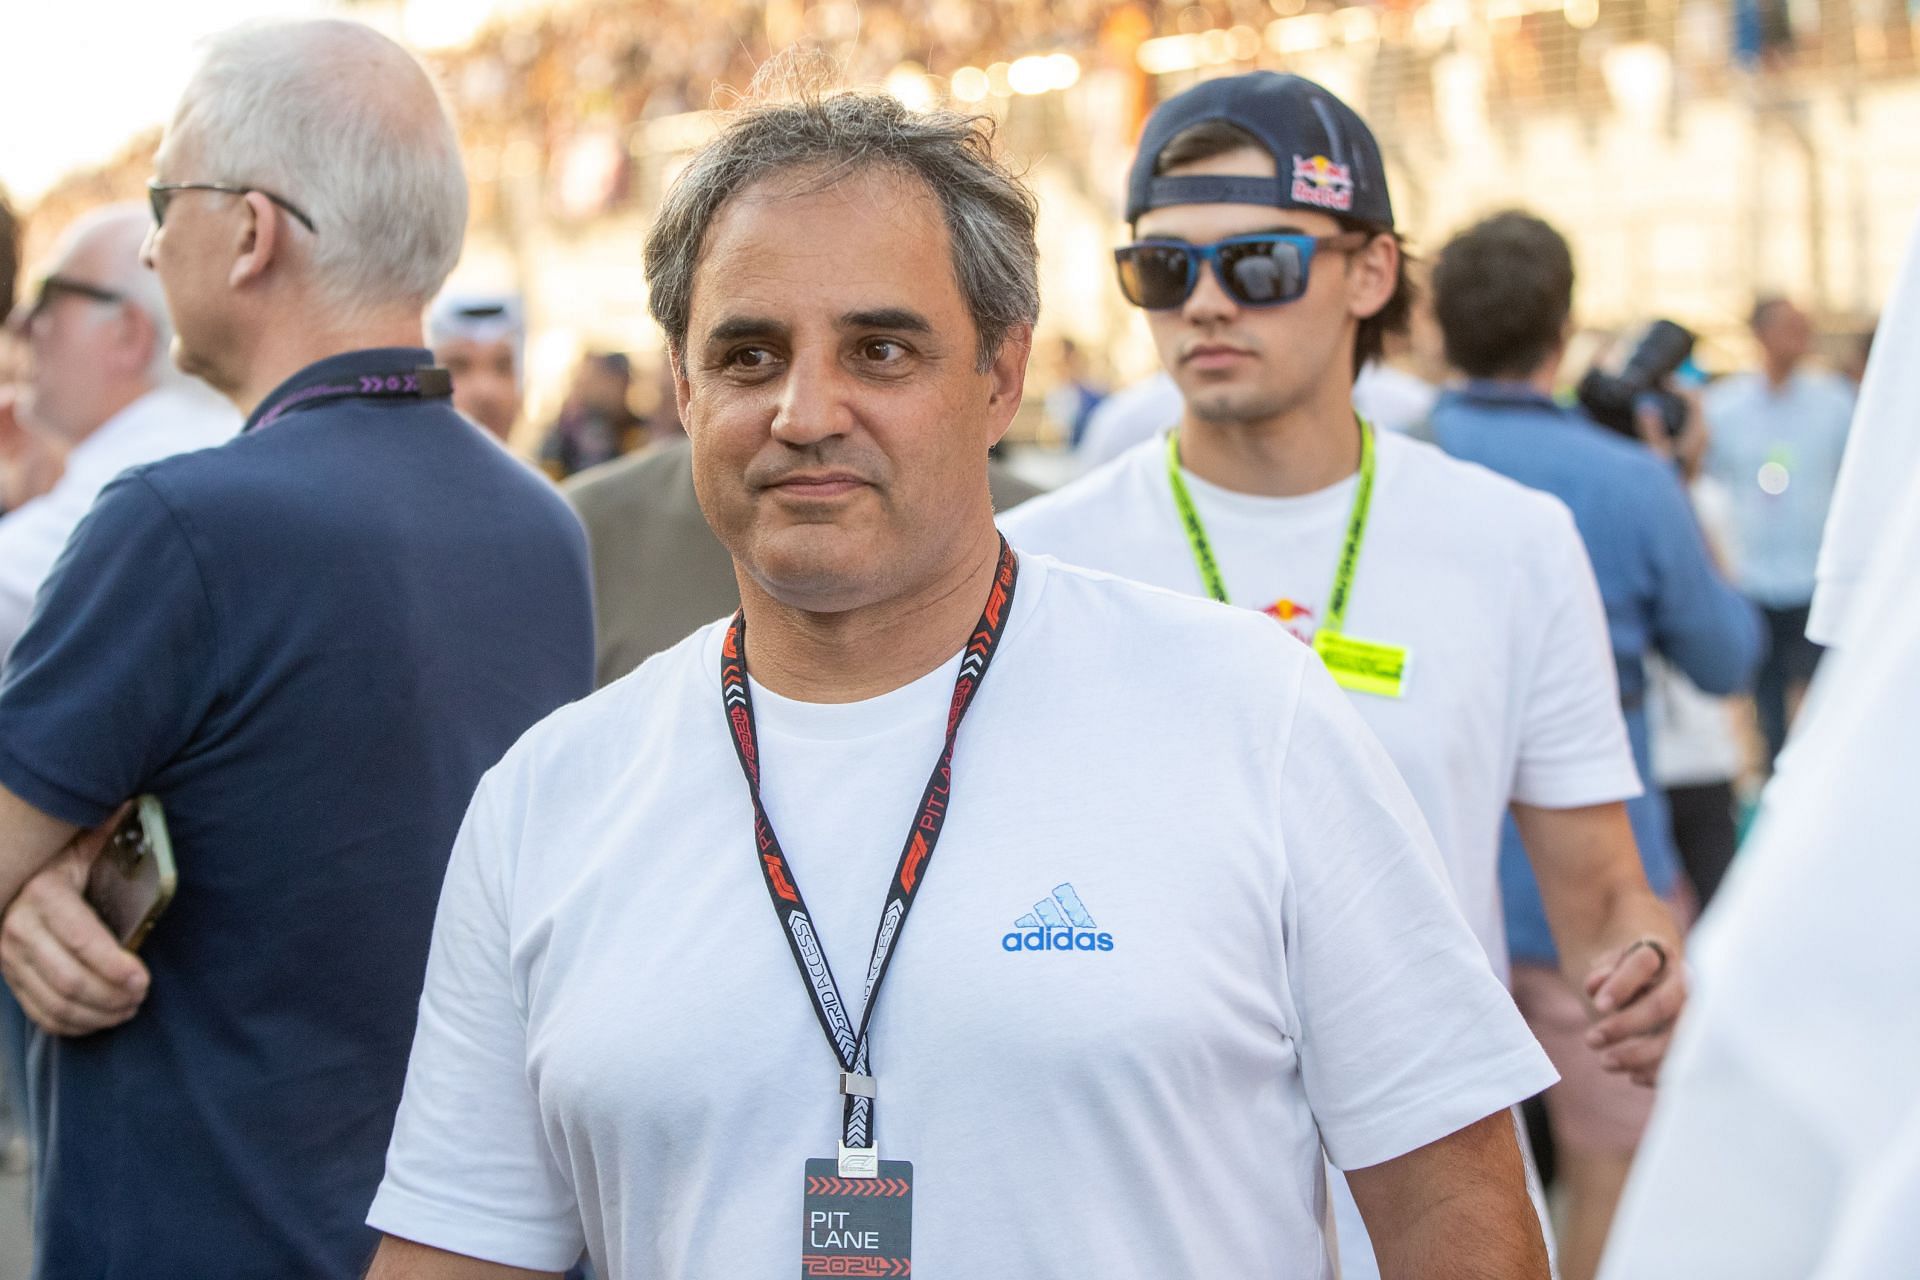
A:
[(342, 122), (989, 213)]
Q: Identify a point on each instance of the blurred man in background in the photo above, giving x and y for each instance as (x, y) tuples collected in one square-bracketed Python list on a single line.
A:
[(307, 643), (480, 339), (99, 378), (1777, 436), (597, 423), (1503, 295)]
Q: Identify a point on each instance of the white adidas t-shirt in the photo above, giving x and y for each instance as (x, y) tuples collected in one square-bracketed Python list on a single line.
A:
[(1511, 692), (615, 1050)]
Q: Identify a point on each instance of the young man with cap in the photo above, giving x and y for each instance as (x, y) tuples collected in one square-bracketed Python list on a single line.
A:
[(480, 339), (1118, 998), (1457, 609)]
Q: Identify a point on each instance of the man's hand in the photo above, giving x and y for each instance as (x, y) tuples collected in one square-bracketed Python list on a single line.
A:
[(1638, 993), (1604, 915), (70, 973)]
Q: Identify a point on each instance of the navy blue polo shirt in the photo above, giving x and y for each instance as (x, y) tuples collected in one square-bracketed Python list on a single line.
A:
[(309, 643)]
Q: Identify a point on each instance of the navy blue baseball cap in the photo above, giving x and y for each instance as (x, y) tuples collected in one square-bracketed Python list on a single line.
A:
[(1325, 155)]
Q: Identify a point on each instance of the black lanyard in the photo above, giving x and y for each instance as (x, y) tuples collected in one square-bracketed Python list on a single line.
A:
[(850, 1043)]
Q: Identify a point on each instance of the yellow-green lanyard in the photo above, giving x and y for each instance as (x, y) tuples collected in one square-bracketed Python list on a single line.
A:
[(1349, 551)]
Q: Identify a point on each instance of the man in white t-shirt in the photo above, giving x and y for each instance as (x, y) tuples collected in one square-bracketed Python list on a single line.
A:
[(1185, 928), (1457, 608)]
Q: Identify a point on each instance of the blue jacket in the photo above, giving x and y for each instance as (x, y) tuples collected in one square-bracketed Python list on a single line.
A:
[(1662, 592)]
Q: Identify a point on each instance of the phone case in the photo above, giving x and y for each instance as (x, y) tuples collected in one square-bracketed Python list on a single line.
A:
[(134, 877)]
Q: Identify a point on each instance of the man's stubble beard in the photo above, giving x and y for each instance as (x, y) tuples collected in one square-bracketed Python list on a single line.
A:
[(1231, 408)]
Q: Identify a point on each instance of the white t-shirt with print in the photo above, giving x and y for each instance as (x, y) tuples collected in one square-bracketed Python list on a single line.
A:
[(615, 1049), (1511, 692)]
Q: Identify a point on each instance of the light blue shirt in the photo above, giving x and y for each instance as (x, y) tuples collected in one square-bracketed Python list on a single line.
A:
[(1777, 451), (1662, 593)]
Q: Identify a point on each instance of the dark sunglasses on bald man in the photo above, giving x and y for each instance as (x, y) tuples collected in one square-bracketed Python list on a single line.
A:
[(161, 194), (54, 287), (1264, 270)]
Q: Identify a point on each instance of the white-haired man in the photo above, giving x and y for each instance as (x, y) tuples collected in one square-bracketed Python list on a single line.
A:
[(99, 381), (307, 643)]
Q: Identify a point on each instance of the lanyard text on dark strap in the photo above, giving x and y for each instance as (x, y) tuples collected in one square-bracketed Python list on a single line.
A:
[(850, 1041)]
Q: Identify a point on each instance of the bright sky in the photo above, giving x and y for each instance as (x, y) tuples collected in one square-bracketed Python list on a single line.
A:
[(81, 77)]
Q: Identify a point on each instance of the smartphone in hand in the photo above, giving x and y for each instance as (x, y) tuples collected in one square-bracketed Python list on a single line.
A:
[(133, 879)]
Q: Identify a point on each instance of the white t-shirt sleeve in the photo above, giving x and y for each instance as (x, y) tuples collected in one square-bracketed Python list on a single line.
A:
[(469, 1169), (1573, 747), (1406, 1036)]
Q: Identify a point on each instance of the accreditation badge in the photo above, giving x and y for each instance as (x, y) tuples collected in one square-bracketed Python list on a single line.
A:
[(1364, 666), (857, 1226)]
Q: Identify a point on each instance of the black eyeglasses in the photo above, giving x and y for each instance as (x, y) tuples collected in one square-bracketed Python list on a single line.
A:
[(52, 288), (161, 194), (1263, 270)]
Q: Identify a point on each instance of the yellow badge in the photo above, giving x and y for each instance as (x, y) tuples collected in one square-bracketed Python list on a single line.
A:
[(1363, 666)]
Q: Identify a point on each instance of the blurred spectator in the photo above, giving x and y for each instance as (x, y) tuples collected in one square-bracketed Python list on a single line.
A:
[(658, 571), (596, 422), (99, 379), (1778, 433), (1075, 395), (1503, 295), (481, 341), (307, 643)]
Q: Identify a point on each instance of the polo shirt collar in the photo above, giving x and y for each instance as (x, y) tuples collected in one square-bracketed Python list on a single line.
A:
[(1509, 394)]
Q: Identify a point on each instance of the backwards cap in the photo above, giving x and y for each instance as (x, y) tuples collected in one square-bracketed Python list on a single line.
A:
[(1325, 155)]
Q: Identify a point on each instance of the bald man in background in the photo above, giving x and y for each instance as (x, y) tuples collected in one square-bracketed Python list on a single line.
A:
[(98, 382)]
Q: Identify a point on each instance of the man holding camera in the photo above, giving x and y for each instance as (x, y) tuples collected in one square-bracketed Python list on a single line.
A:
[(1503, 294)]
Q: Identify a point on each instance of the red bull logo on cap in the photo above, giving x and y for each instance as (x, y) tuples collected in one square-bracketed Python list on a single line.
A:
[(1322, 184)]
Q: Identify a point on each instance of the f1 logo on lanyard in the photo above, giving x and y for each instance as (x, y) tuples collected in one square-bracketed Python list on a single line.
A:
[(858, 1208)]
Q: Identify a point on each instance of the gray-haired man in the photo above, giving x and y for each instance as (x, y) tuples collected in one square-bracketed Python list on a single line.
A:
[(308, 643), (1186, 922)]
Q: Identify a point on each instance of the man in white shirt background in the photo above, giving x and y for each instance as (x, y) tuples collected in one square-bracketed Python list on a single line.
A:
[(1778, 434), (99, 381), (1458, 608), (1187, 926)]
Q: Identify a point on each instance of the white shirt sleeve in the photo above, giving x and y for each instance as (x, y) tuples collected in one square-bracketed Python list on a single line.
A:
[(1573, 747), (1406, 1036), (470, 1169), (31, 539)]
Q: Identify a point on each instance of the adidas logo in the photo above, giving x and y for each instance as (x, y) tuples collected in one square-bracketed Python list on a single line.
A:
[(1059, 923)]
